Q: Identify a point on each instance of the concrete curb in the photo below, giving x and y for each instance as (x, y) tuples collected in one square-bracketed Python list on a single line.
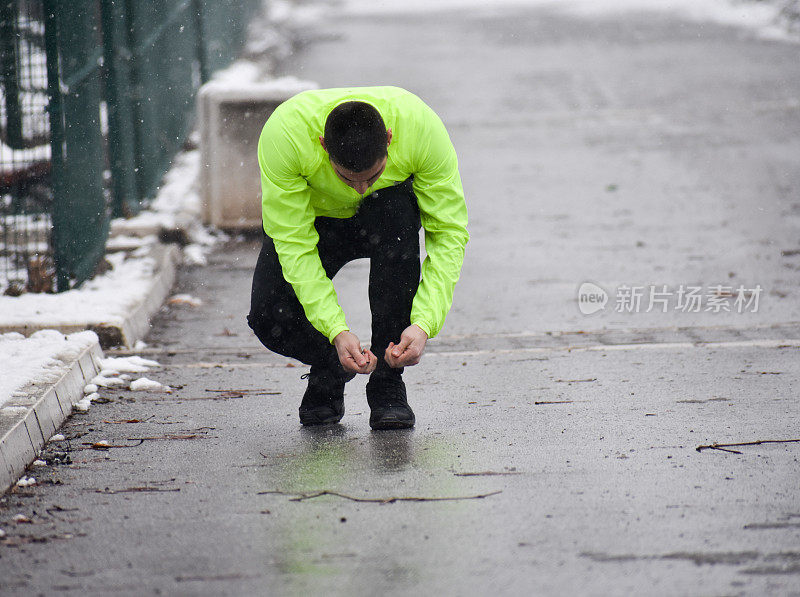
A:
[(23, 436), (136, 322)]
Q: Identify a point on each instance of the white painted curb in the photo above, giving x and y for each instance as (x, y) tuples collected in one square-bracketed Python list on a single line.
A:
[(22, 437)]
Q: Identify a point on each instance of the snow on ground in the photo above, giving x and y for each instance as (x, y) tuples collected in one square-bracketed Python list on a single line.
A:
[(114, 374), (148, 385), (44, 357), (177, 205), (184, 299), (17, 159), (244, 74), (105, 299), (764, 17), (132, 364)]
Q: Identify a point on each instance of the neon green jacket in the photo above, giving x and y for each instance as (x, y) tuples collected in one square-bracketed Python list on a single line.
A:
[(298, 184)]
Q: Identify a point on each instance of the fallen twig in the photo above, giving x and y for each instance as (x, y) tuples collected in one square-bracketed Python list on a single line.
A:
[(102, 446), (124, 421), (255, 392), (169, 436), (307, 496), (487, 473), (553, 402), (722, 447), (576, 380), (134, 490), (57, 508)]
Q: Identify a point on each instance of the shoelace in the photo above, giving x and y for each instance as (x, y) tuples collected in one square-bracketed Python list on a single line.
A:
[(393, 391)]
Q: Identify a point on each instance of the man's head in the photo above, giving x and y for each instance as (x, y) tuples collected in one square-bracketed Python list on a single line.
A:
[(356, 140)]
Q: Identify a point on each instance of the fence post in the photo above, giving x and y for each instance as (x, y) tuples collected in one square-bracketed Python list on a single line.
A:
[(80, 211), (55, 111), (198, 13), (121, 131), (10, 74)]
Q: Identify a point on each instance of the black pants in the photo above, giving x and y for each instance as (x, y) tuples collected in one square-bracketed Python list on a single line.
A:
[(386, 230)]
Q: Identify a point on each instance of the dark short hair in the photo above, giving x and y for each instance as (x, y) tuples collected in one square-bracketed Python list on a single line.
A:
[(355, 136)]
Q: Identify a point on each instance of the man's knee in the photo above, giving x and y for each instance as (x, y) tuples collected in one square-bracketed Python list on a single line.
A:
[(273, 332), (260, 325)]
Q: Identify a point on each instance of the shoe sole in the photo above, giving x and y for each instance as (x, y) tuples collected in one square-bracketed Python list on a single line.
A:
[(312, 421), (384, 425)]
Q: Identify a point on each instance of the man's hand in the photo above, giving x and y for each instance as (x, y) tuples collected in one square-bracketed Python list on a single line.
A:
[(351, 356), (409, 351)]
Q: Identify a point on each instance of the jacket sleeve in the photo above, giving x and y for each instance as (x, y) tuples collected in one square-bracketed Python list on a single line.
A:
[(288, 219), (443, 214)]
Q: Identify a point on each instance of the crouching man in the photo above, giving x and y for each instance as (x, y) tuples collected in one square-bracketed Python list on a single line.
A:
[(348, 174)]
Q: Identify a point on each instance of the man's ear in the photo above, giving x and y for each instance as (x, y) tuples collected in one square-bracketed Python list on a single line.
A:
[(388, 137), (322, 142)]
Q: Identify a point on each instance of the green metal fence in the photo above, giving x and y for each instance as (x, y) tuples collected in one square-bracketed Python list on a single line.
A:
[(26, 195), (96, 97)]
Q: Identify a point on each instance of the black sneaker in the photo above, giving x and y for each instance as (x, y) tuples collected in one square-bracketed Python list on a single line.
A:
[(386, 396), (323, 401)]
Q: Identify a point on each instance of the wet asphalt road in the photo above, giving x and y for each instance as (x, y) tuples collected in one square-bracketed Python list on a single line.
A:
[(640, 150)]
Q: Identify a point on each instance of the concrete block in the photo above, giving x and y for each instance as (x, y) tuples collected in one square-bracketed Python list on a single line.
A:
[(18, 450), (49, 413), (137, 324), (71, 384), (65, 397), (34, 431), (89, 363), (231, 120), (6, 474)]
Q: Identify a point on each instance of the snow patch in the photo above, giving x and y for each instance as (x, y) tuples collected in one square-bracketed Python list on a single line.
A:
[(185, 299), (38, 462), (109, 382), (176, 207), (106, 299), (148, 385), (194, 255), (26, 482), (289, 13), (58, 437), (244, 75), (82, 405), (42, 359), (133, 364)]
